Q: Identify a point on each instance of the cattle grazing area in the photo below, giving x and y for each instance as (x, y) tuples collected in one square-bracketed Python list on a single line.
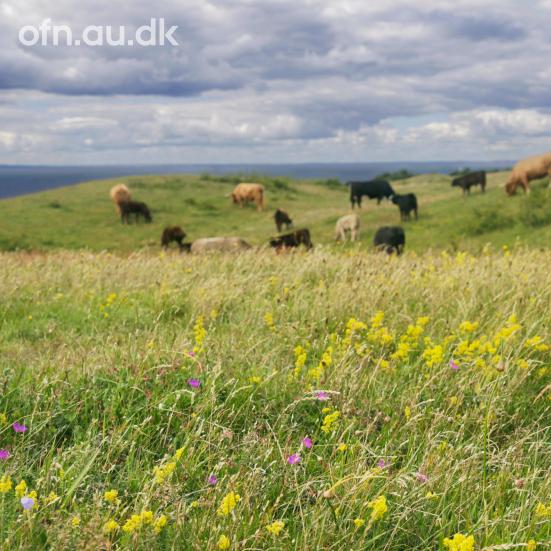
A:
[(83, 216), (330, 399)]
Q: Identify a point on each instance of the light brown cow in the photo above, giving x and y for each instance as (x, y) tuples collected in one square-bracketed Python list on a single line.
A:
[(526, 170), (247, 193), (349, 223), (219, 244), (120, 194)]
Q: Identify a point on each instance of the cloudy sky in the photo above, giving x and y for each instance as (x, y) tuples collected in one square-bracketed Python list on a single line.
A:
[(280, 81)]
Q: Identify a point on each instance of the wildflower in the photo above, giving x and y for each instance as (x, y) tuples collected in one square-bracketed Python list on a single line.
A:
[(269, 321), (329, 421), (224, 542), (359, 522), (111, 496), (164, 472), (294, 459), (468, 327), (200, 334), (3, 419), (21, 489), (431, 495), (307, 443), (17, 427), (110, 527), (382, 464), (4, 455), (321, 395), (542, 510), (378, 508), (229, 502), (422, 478), (531, 545), (52, 496), (212, 480), (407, 412), (454, 400), (27, 503), (132, 524), (194, 383), (453, 365), (159, 524), (178, 454), (342, 447), (5, 484), (459, 542), (433, 355), (146, 517), (75, 522), (255, 380), (523, 364), (276, 527)]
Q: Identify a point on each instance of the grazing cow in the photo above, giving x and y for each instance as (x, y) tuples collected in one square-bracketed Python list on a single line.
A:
[(374, 189), (120, 194), (406, 203), (390, 239), (281, 217), (136, 208), (173, 233), (292, 240), (350, 223), (247, 193), (469, 180), (219, 244), (526, 170)]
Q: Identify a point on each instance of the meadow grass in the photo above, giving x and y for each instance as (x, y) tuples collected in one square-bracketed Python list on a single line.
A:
[(176, 380), (83, 216)]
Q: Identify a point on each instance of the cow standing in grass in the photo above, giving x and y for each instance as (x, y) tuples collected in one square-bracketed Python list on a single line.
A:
[(470, 180), (406, 203), (249, 193), (136, 208), (390, 239), (120, 194), (526, 170), (373, 189), (173, 234), (280, 218), (348, 224)]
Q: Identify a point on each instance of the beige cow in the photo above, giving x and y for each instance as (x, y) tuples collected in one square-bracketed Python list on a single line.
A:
[(120, 194), (350, 223), (219, 244), (247, 193), (526, 170)]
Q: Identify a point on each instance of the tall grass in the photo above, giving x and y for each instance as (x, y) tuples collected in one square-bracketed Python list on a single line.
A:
[(448, 420)]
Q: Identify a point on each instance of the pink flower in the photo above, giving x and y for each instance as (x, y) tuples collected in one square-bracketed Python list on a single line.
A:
[(294, 459), (453, 365), (307, 443), (17, 427), (191, 354), (382, 464), (321, 395), (423, 478), (4, 454), (194, 383), (212, 480)]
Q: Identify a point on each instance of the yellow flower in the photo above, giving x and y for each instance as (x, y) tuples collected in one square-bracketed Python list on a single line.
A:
[(5, 484), (224, 542), (431, 495), (468, 327), (3, 419), (523, 364), (379, 508), (454, 400), (542, 510), (75, 522), (200, 333), (255, 380), (459, 542), (276, 527), (132, 524), (146, 517), (159, 524), (52, 496), (111, 496), (21, 489), (407, 412), (531, 545), (228, 504), (342, 447), (329, 421), (178, 454), (163, 472), (359, 522), (269, 321), (110, 527)]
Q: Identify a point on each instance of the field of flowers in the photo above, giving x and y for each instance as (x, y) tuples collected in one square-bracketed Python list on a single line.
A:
[(304, 401)]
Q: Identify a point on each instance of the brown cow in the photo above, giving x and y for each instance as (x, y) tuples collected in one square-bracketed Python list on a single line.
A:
[(120, 194), (526, 170), (173, 233), (247, 193)]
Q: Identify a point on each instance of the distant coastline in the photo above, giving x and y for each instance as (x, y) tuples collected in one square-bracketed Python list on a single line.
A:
[(20, 180)]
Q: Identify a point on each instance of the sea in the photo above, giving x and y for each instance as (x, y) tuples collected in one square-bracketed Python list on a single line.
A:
[(21, 180)]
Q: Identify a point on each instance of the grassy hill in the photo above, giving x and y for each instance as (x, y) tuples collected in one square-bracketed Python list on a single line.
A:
[(83, 215)]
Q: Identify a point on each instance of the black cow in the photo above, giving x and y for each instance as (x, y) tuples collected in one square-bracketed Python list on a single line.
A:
[(134, 207), (406, 203), (281, 217), (390, 239), (374, 189), (291, 240), (173, 233), (471, 179)]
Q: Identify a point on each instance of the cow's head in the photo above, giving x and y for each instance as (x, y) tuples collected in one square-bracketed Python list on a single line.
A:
[(511, 188), (234, 198)]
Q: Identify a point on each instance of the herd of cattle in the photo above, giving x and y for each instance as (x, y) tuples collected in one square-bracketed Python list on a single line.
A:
[(388, 238)]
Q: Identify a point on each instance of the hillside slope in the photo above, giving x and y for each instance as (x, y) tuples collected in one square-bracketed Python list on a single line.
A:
[(83, 215)]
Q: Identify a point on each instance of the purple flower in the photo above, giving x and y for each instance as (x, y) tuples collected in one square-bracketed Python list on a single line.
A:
[(293, 459), (453, 365), (321, 395), (212, 480), (19, 428), (191, 354), (27, 503), (4, 454), (307, 443), (382, 464), (194, 383), (423, 478)]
